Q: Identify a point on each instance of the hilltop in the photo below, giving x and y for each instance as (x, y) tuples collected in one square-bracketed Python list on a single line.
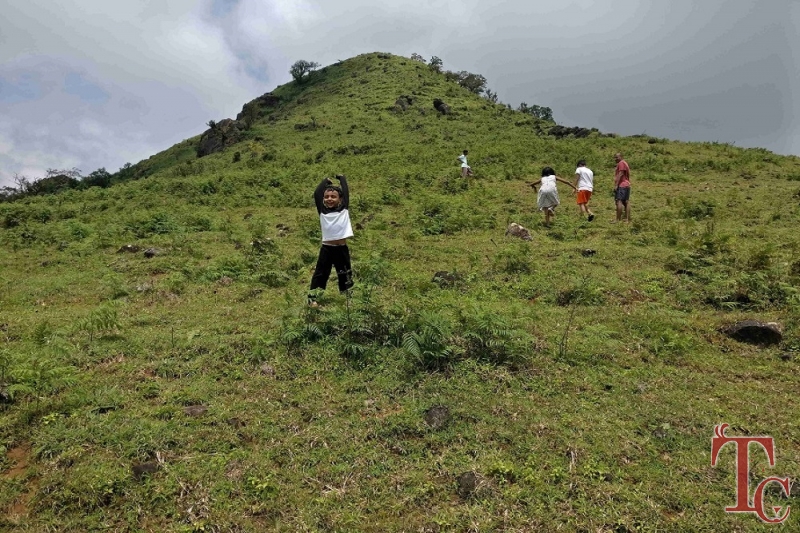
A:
[(160, 371)]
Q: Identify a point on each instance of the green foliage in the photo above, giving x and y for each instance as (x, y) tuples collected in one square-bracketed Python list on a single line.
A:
[(584, 366), (697, 210), (429, 341), (302, 69), (100, 321)]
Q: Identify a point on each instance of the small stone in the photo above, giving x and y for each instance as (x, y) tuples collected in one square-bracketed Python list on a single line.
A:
[(437, 416), (235, 422), (128, 248), (224, 281), (152, 252), (519, 231), (588, 252), (446, 279), (787, 356), (468, 483), (142, 470), (195, 410), (268, 370)]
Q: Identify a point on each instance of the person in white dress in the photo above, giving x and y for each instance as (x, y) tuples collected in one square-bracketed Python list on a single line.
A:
[(547, 198), (466, 170)]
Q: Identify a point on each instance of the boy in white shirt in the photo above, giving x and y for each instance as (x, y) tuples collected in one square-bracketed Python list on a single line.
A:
[(332, 202), (584, 182)]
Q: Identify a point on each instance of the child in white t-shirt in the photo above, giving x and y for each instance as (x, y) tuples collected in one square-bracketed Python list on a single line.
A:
[(332, 205), (465, 168), (584, 181)]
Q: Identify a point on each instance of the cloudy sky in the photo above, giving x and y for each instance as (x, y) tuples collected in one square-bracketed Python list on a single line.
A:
[(96, 83)]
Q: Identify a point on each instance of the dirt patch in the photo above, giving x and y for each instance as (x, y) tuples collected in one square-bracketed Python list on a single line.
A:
[(20, 460)]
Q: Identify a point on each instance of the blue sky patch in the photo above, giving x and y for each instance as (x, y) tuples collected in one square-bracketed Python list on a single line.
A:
[(220, 8), (19, 89), (76, 85)]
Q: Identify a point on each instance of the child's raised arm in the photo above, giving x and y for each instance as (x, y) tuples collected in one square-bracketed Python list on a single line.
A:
[(319, 193), (345, 191)]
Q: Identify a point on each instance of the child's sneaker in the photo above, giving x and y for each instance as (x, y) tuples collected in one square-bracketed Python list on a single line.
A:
[(590, 218)]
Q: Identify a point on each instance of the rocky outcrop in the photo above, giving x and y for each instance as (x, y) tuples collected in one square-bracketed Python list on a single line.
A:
[(219, 136)]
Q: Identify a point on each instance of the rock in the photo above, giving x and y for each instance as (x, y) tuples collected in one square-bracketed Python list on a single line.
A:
[(441, 107), (129, 248), (262, 246), (224, 133), (5, 396), (588, 252), (225, 281), (401, 104), (563, 131), (785, 356), (446, 279), (235, 423), (364, 221), (755, 332), (468, 484), (269, 100), (152, 252), (437, 416), (195, 410), (142, 470), (268, 370), (519, 231)]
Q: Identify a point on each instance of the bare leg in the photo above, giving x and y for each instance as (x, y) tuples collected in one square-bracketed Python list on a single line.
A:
[(627, 212), (619, 210)]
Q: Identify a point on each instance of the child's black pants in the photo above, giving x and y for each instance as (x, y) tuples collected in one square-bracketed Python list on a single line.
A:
[(338, 257)]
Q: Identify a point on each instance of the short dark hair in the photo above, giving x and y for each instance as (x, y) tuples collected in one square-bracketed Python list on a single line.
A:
[(466, 152), (582, 163), (548, 171), (334, 188)]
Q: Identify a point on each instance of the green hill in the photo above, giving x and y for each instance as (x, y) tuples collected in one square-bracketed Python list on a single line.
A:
[(160, 370)]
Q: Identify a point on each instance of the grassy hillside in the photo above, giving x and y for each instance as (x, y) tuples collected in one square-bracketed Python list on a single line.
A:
[(535, 387)]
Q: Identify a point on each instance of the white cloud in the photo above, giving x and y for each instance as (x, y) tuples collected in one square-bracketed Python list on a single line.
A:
[(679, 69)]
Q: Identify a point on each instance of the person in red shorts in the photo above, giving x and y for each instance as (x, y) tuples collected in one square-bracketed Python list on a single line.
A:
[(584, 183), (622, 188)]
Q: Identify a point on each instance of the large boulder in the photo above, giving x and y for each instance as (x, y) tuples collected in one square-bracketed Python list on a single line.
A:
[(269, 100), (755, 332), (224, 133), (441, 107)]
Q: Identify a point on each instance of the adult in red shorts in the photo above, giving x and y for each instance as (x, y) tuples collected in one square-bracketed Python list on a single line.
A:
[(622, 188), (584, 183)]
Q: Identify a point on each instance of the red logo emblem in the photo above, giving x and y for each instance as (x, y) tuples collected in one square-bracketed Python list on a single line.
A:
[(743, 501)]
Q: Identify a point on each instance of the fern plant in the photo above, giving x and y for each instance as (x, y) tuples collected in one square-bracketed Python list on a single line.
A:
[(101, 320), (39, 376), (430, 343)]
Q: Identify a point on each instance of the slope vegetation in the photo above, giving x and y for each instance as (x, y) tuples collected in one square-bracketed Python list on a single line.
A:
[(160, 371)]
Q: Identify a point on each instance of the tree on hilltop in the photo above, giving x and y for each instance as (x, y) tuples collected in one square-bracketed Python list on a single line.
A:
[(301, 69), (474, 83)]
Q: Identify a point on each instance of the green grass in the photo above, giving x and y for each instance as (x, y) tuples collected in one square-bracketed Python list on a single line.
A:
[(583, 391)]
